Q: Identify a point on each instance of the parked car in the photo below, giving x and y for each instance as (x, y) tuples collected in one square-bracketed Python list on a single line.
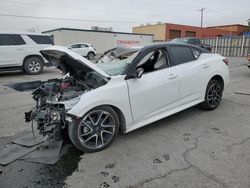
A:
[(192, 41), (117, 53), (248, 61), (84, 49), (21, 51), (93, 102)]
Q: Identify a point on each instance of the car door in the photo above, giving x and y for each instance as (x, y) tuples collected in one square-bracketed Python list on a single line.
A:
[(157, 90), (192, 73), (12, 48), (76, 48), (84, 49)]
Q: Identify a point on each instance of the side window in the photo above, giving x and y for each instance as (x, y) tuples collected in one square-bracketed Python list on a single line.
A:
[(154, 60), (197, 41), (191, 41), (41, 39), (180, 55), (84, 46), (11, 39), (194, 41), (76, 46)]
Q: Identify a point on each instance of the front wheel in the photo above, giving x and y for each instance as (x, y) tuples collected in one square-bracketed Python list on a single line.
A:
[(96, 130), (213, 95), (91, 55)]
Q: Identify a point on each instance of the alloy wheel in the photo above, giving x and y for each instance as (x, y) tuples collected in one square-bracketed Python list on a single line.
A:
[(214, 95), (96, 129), (34, 66)]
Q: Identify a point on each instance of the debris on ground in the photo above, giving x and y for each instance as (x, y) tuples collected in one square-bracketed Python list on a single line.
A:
[(26, 148), (13, 152), (27, 139)]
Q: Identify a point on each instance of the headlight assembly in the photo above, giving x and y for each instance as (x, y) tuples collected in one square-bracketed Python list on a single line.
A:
[(55, 115)]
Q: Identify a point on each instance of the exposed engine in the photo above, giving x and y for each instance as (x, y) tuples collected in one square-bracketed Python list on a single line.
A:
[(53, 99)]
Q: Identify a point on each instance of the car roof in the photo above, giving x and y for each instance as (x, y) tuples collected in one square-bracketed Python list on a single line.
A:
[(21, 33), (166, 44), (81, 43)]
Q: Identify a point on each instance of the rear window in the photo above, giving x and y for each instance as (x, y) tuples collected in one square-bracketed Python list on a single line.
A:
[(40, 39), (11, 39)]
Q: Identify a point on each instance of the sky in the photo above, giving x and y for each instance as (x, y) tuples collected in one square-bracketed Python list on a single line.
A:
[(121, 15)]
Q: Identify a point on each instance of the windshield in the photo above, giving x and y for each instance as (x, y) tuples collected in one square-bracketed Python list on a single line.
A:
[(116, 66)]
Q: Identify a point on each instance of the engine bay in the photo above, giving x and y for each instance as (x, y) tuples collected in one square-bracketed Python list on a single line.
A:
[(54, 98)]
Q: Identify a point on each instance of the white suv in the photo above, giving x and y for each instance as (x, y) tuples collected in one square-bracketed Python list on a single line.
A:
[(21, 51), (84, 49)]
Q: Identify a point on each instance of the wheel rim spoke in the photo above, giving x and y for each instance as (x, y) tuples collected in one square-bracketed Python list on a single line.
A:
[(105, 131), (34, 66), (99, 118), (89, 138)]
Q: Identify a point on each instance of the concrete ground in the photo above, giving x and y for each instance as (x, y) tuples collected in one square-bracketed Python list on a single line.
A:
[(193, 148)]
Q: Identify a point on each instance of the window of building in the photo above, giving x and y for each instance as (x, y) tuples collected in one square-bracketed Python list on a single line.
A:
[(174, 34), (190, 34)]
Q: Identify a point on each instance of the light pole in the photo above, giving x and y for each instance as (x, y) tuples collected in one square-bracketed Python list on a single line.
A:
[(201, 10), (248, 21)]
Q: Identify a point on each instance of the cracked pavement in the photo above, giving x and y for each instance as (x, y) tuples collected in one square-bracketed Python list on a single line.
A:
[(193, 148)]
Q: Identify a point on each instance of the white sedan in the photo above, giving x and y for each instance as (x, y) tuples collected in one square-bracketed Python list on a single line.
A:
[(84, 49), (93, 102)]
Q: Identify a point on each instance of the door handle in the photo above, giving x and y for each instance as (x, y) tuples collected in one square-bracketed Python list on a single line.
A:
[(172, 76), (19, 49), (205, 65)]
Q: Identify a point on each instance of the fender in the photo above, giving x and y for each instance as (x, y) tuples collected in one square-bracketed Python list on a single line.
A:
[(116, 94)]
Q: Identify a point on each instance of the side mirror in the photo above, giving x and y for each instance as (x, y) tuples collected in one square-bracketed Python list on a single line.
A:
[(139, 72), (136, 74)]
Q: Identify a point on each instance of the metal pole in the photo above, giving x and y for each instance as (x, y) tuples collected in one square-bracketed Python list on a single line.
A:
[(216, 44), (202, 10), (242, 46)]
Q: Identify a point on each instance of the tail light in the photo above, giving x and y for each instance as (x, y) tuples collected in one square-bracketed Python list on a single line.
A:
[(225, 61)]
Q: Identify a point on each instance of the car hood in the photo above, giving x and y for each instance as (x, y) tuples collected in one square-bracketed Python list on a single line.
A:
[(70, 62)]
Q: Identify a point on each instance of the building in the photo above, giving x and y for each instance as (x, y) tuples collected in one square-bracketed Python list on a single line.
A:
[(101, 40), (236, 28), (167, 31)]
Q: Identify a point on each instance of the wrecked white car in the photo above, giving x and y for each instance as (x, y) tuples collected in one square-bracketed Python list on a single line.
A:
[(93, 102)]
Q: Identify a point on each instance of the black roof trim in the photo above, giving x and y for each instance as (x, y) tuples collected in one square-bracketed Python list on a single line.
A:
[(88, 30)]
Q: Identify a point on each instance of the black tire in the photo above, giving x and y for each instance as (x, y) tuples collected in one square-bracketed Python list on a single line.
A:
[(213, 95), (88, 134), (91, 55), (33, 65)]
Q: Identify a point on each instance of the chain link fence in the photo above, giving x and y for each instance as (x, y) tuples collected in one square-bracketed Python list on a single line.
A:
[(234, 46)]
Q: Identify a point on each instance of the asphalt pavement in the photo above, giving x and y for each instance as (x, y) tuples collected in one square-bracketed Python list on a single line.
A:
[(193, 148)]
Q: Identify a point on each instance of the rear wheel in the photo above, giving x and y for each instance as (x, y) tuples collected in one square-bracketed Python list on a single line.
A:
[(96, 129), (213, 95), (33, 65)]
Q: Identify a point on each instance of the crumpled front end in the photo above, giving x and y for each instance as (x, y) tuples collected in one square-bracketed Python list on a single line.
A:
[(53, 99)]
